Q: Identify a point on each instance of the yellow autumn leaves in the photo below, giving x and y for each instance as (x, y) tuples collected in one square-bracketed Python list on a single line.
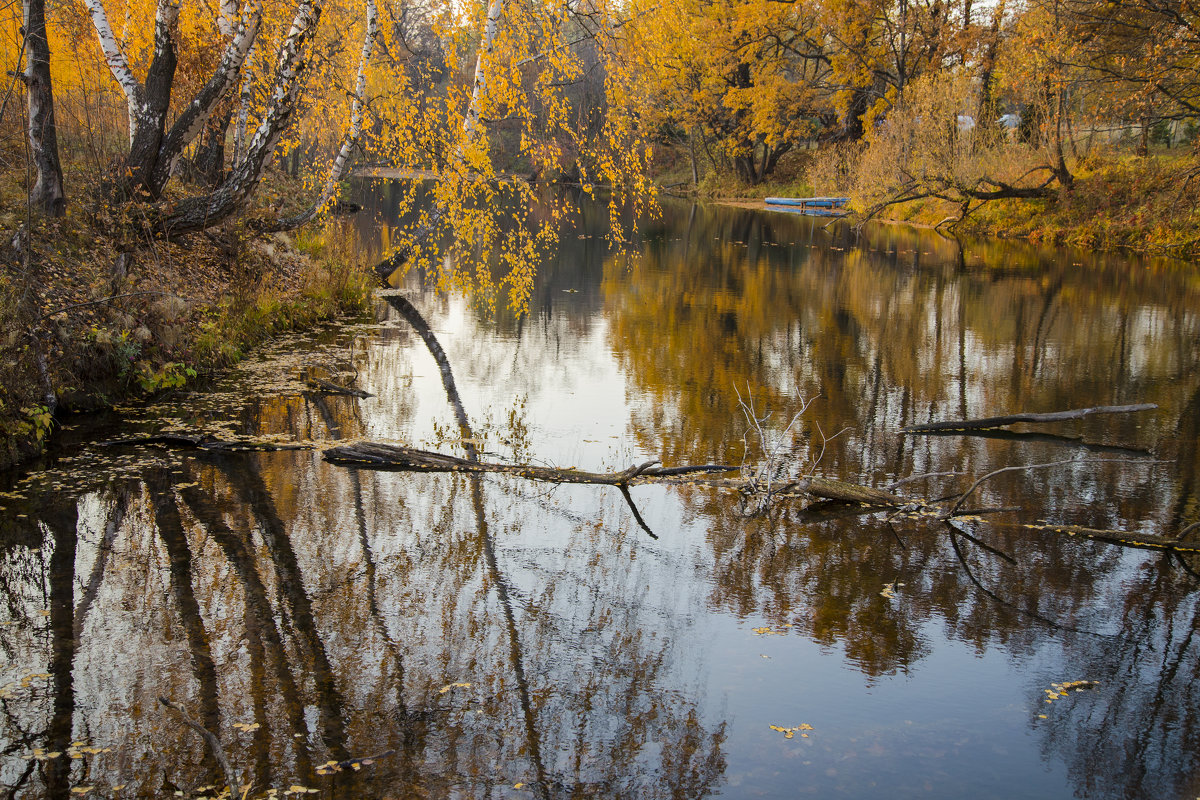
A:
[(788, 733)]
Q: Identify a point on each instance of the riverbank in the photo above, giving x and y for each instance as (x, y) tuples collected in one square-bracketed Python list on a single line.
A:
[(91, 319), (1118, 202)]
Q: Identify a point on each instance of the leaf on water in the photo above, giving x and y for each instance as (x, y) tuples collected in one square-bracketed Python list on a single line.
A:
[(82, 789), (788, 733), (1060, 690), (450, 686)]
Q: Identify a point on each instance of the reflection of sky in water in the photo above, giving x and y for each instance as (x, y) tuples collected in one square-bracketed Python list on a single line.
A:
[(344, 610)]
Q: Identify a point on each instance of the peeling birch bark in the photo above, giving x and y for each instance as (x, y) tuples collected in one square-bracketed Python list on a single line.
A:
[(338, 168), (114, 57), (198, 213)]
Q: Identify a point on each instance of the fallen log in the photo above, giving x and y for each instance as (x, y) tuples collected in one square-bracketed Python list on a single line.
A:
[(985, 423), (371, 455), (329, 387), (398, 457)]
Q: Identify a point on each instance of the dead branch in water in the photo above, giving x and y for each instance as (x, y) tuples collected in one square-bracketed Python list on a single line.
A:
[(370, 455), (1144, 541), (214, 745), (329, 387), (388, 456), (1009, 419)]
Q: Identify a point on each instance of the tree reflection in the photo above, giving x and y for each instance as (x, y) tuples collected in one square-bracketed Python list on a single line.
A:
[(305, 614)]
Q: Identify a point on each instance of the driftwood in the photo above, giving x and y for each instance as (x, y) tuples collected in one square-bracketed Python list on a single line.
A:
[(206, 441), (387, 456), (1146, 541), (329, 387), (370, 455), (210, 739), (1009, 419)]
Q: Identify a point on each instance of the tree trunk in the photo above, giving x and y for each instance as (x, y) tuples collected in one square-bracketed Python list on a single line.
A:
[(209, 164), (47, 192), (199, 213), (695, 172), (144, 151)]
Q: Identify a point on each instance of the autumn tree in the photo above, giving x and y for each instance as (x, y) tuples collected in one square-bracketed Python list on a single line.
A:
[(740, 76), (924, 150), (47, 191), (1139, 59)]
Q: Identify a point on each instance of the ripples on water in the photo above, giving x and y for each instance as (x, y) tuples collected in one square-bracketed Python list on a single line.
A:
[(497, 638)]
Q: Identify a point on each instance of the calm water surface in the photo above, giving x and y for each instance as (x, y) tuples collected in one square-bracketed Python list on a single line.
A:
[(493, 637)]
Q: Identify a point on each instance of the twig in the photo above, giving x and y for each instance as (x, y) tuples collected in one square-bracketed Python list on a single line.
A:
[(911, 478), (210, 738), (962, 498)]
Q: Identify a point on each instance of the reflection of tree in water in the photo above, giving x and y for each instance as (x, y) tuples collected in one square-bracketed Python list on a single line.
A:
[(323, 611), (887, 346), (1137, 734)]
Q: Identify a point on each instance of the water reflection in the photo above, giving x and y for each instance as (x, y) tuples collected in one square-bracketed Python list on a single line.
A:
[(441, 635)]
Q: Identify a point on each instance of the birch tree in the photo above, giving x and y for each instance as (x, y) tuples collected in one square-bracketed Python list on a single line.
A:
[(47, 191), (153, 148)]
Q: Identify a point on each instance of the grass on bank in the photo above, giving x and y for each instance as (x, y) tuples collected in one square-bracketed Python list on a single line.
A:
[(1119, 201), (92, 329)]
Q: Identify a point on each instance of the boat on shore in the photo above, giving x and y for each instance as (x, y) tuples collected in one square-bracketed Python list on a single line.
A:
[(809, 202)]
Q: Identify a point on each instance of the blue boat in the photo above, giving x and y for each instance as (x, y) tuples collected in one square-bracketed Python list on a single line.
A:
[(809, 202)]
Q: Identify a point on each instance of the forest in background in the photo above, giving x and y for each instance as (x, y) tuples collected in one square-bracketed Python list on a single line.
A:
[(156, 158)]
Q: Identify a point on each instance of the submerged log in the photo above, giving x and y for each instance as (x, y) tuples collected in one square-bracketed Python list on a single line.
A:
[(371, 455), (329, 387), (985, 423), (1145, 541), (398, 457)]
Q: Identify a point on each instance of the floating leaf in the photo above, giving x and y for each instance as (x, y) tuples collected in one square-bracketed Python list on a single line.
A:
[(788, 733), (450, 686)]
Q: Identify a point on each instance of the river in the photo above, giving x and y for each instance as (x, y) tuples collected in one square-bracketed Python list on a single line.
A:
[(358, 633)]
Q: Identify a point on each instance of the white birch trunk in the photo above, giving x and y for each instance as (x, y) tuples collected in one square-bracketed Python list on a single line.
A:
[(203, 212), (479, 87), (227, 17), (245, 95), (117, 63), (353, 131)]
